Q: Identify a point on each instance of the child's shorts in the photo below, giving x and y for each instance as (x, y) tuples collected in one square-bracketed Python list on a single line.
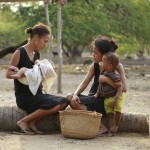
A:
[(108, 104)]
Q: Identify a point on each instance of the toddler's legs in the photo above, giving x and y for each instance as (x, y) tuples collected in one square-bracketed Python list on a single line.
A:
[(111, 120), (115, 126), (19, 73)]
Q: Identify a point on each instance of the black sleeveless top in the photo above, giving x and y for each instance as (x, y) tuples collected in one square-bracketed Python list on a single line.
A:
[(95, 84), (21, 89), (24, 98)]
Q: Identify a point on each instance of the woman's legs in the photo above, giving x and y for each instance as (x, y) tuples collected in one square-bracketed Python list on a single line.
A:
[(81, 106), (30, 120)]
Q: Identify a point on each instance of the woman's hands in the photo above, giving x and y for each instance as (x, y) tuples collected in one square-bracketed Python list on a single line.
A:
[(74, 100), (13, 68), (11, 71)]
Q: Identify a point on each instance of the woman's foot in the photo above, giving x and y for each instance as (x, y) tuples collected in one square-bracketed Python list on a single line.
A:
[(24, 127), (102, 132), (33, 127)]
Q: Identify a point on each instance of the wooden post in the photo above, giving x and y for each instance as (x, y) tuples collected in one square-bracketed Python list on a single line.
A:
[(59, 47), (50, 45)]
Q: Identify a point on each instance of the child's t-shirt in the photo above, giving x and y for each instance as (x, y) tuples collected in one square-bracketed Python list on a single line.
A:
[(107, 90)]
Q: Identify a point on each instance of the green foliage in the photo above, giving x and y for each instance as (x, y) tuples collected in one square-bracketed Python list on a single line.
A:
[(31, 14), (10, 28), (131, 23), (127, 21)]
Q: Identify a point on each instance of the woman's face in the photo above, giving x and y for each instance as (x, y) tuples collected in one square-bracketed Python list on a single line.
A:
[(97, 56), (41, 42)]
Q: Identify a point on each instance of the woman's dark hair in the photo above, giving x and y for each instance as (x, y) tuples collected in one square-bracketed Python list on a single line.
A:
[(105, 44), (39, 29)]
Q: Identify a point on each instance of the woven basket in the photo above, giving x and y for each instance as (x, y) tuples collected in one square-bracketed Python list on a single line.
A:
[(79, 124)]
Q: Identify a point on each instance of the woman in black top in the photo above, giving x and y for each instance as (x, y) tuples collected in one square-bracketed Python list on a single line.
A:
[(40, 105), (100, 46)]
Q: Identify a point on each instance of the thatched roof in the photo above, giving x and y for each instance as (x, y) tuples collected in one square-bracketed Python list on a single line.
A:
[(18, 0)]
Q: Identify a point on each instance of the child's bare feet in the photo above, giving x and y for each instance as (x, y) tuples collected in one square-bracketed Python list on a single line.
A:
[(113, 131), (15, 76)]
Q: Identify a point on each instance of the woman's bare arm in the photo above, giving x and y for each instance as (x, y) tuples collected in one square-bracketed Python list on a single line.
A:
[(12, 65), (86, 81), (120, 70), (97, 94), (75, 100)]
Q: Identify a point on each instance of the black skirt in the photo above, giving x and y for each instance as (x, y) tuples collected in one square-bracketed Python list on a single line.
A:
[(31, 103), (93, 104)]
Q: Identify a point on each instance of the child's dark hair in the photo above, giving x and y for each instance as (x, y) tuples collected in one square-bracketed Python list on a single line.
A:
[(39, 29), (105, 44), (112, 58)]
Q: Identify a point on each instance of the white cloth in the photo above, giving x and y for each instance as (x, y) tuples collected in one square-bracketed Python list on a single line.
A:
[(42, 72)]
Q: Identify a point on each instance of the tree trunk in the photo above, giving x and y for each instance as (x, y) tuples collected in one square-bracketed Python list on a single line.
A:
[(50, 44), (10, 49), (134, 123), (59, 47), (10, 115), (130, 122)]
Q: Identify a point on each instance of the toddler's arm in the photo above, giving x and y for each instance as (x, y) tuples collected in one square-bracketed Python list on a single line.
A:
[(119, 92), (104, 79)]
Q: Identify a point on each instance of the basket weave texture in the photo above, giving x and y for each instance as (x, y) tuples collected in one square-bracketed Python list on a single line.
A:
[(79, 124)]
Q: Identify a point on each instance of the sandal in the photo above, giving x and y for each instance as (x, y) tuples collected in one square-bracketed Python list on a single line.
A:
[(37, 131), (24, 132)]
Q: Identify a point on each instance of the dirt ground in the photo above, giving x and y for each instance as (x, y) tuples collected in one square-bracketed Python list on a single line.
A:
[(136, 100)]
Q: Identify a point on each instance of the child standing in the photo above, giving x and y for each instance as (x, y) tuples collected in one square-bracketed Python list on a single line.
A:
[(113, 97)]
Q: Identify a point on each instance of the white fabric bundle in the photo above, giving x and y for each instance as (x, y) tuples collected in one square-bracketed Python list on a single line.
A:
[(42, 72)]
